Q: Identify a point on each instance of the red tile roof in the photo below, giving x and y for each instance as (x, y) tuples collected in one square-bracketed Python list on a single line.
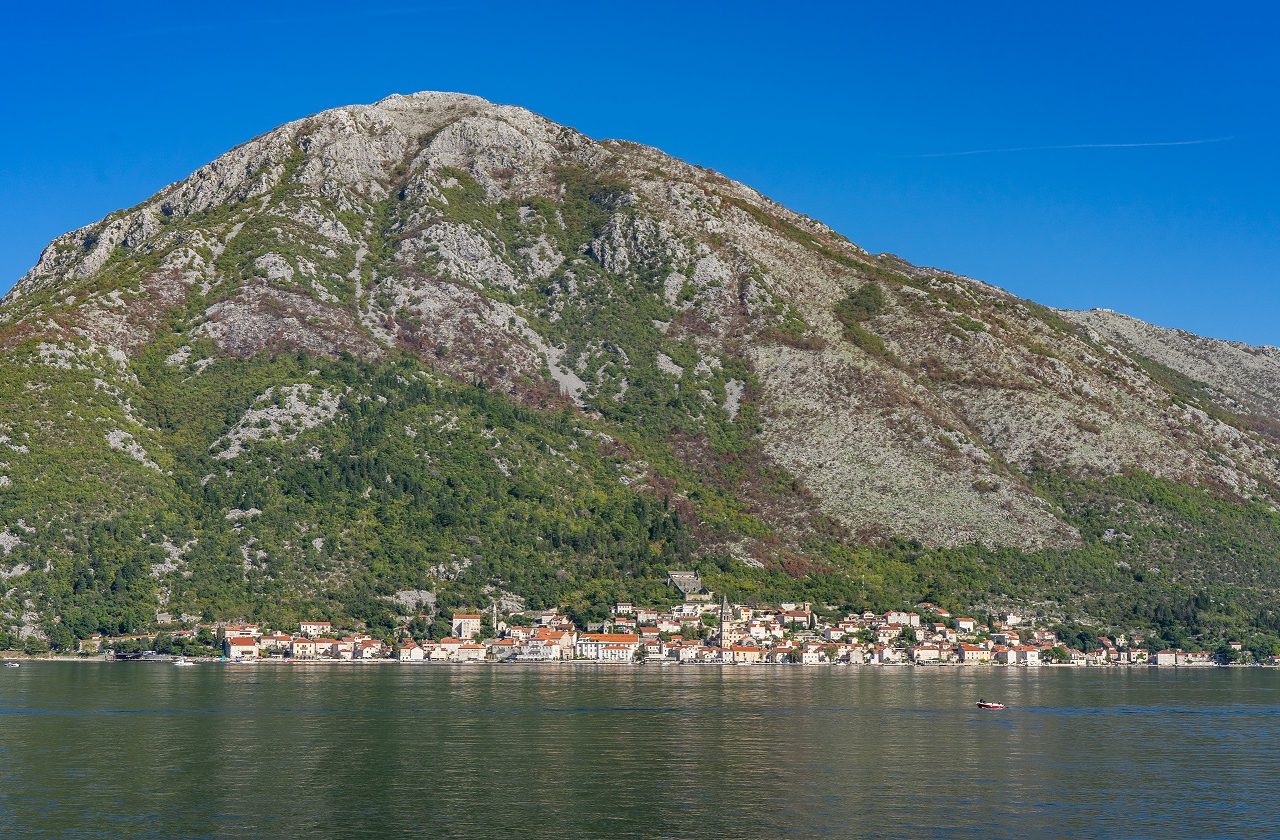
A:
[(612, 638)]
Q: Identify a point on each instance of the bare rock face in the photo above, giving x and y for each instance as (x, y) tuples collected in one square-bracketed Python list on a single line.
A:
[(1244, 378), (501, 248), (279, 414), (262, 318)]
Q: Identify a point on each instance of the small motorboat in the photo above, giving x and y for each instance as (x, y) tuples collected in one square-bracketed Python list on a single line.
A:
[(990, 704), (182, 662), (13, 664)]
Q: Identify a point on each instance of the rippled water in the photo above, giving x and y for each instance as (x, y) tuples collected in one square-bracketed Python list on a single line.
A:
[(148, 750)]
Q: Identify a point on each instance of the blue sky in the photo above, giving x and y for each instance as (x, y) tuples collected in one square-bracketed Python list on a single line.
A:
[(847, 112)]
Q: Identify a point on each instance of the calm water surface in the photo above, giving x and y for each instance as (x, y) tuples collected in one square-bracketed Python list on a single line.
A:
[(148, 750)]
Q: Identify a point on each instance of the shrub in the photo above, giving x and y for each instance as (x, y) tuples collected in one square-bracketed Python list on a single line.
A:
[(858, 306), (863, 304)]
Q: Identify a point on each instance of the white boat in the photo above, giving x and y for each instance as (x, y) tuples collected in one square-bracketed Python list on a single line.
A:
[(13, 665), (182, 662), (988, 704)]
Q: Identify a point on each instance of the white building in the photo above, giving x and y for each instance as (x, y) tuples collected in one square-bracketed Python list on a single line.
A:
[(314, 628), (466, 625), (240, 648), (592, 645), (1027, 655), (240, 630), (925, 653)]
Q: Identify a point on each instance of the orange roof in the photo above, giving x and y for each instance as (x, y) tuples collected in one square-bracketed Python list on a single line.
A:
[(621, 638), (242, 641)]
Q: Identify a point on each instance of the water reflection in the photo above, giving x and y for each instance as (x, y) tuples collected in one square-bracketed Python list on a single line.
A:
[(124, 750)]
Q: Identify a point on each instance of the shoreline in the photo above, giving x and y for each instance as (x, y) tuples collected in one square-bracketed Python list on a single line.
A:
[(843, 666)]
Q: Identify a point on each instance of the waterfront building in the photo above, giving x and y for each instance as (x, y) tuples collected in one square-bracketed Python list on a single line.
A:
[(925, 653), (302, 648), (592, 645), (240, 648)]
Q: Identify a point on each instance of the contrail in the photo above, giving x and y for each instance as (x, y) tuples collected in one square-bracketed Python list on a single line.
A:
[(1075, 146)]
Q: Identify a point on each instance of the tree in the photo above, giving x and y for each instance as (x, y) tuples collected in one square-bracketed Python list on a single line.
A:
[(1264, 648), (1078, 637), (441, 627), (138, 645), (1227, 655), (60, 638)]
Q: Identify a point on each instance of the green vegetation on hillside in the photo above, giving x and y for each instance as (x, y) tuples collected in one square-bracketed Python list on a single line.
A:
[(419, 483), (861, 305)]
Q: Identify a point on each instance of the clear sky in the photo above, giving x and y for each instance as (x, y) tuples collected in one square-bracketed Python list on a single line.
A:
[(1110, 154)]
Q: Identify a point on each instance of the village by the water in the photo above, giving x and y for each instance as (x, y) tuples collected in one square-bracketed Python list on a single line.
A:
[(702, 629)]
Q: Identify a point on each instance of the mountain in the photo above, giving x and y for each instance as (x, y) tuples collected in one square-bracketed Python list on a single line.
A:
[(430, 352)]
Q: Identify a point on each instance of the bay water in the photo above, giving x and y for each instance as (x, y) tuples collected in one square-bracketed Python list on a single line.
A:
[(124, 750)]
